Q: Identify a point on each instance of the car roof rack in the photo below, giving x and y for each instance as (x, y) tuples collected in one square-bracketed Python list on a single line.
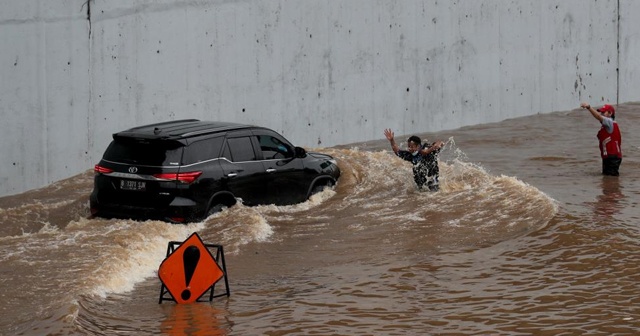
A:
[(178, 129)]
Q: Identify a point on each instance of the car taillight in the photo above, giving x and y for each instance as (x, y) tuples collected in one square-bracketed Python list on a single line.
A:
[(182, 177), (102, 170)]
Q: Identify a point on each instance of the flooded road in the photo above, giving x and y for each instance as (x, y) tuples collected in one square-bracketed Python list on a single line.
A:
[(525, 237)]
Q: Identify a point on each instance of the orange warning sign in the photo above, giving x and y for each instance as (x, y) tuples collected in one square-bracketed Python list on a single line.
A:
[(189, 271)]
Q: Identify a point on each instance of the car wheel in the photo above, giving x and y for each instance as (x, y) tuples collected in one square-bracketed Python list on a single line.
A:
[(320, 187), (317, 189), (215, 209)]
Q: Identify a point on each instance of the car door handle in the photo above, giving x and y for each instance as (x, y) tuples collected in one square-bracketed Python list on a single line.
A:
[(232, 175), (270, 170)]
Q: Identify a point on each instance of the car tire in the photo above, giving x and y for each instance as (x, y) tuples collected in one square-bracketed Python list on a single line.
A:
[(215, 209), (317, 189), (320, 187)]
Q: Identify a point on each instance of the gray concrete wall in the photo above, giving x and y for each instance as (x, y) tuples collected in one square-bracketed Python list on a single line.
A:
[(320, 72)]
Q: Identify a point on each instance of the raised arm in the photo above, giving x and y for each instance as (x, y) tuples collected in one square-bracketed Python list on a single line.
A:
[(389, 134), (594, 113), (434, 147)]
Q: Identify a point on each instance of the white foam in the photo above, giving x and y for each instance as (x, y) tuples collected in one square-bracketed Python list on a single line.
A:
[(137, 252)]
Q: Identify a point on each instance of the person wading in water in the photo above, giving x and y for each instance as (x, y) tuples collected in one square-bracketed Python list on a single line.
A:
[(609, 138), (424, 158)]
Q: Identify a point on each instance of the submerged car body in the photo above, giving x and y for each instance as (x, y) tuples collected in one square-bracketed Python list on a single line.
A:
[(185, 170)]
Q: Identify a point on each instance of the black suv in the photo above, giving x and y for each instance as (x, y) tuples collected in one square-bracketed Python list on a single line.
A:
[(185, 170)]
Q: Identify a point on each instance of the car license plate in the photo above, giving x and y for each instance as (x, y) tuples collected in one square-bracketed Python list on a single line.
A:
[(133, 185)]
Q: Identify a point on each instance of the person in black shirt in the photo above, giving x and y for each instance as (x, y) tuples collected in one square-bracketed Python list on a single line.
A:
[(424, 158)]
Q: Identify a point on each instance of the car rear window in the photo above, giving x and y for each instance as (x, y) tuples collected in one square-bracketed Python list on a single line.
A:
[(144, 152)]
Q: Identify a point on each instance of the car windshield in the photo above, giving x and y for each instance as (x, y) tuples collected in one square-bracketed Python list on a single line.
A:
[(144, 153)]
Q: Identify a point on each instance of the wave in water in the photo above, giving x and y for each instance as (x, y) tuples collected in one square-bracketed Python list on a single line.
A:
[(47, 236)]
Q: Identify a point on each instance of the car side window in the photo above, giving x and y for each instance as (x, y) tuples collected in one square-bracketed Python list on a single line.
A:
[(273, 148), (241, 149), (226, 152), (203, 150)]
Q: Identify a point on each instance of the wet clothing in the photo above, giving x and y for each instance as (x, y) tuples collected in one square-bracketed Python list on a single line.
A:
[(610, 142), (610, 166), (425, 168)]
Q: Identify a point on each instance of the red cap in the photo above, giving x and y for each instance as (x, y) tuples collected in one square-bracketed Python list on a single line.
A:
[(607, 108)]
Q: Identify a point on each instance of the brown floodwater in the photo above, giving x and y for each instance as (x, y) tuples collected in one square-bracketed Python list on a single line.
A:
[(526, 237)]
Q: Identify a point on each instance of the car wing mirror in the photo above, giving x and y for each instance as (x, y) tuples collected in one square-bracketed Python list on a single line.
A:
[(300, 152)]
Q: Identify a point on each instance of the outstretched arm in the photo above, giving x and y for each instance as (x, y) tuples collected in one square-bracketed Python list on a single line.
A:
[(389, 134), (434, 147), (594, 113)]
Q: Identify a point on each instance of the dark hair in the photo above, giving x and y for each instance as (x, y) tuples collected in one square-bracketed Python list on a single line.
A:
[(415, 140)]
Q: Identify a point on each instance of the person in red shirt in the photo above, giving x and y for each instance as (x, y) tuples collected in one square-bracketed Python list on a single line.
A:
[(609, 138)]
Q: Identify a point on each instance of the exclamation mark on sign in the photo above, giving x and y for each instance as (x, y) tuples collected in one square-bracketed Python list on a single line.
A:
[(190, 260)]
